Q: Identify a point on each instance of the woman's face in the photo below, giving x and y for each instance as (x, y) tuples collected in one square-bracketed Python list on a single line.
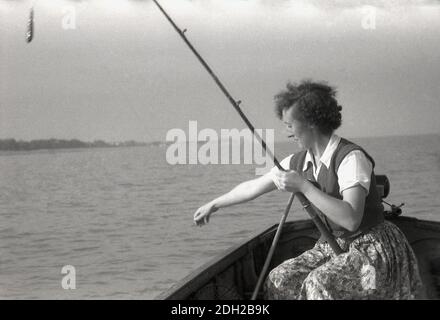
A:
[(297, 129)]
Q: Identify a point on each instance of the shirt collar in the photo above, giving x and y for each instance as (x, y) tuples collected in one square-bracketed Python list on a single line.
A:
[(326, 156)]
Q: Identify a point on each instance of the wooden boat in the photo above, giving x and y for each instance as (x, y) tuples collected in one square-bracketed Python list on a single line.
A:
[(234, 273)]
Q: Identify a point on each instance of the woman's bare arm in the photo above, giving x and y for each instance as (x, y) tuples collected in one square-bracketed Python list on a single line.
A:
[(347, 212), (243, 192)]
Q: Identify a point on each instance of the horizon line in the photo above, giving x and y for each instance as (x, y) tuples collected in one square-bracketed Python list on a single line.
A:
[(165, 141)]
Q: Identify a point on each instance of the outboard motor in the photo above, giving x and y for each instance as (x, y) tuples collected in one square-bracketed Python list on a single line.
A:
[(383, 188)]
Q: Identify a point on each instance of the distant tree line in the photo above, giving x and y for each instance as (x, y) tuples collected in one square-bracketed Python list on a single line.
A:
[(19, 145)]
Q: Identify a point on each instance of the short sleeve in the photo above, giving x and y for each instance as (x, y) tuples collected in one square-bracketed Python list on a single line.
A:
[(355, 169), (285, 163)]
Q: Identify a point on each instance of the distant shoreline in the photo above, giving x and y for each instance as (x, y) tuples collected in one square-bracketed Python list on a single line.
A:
[(53, 144), (50, 144)]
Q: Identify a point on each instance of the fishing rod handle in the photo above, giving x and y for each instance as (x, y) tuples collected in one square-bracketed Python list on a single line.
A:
[(319, 224)]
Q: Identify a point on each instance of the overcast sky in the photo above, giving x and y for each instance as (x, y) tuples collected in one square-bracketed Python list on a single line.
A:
[(123, 72)]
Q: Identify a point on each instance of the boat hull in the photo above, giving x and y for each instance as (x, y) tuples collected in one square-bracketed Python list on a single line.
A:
[(234, 273)]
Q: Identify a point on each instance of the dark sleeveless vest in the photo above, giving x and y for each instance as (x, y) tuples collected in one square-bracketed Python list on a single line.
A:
[(328, 183)]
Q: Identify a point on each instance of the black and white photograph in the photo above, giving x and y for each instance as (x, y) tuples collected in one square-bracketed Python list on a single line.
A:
[(253, 150)]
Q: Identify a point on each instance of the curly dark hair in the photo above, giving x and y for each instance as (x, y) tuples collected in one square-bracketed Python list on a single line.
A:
[(316, 104)]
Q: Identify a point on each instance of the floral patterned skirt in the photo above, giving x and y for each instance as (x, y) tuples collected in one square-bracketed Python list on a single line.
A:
[(379, 264)]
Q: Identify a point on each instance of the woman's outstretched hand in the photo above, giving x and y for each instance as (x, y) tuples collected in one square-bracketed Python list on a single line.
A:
[(201, 216)]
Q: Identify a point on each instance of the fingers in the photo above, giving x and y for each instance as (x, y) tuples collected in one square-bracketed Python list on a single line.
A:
[(282, 179), (283, 174), (288, 180), (197, 217), (201, 221), (201, 218)]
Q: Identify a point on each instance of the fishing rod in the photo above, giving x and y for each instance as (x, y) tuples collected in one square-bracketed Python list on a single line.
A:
[(303, 200)]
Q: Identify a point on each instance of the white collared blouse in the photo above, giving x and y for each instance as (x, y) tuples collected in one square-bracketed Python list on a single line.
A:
[(355, 168)]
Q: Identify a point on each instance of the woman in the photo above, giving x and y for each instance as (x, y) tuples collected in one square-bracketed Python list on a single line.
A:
[(337, 176)]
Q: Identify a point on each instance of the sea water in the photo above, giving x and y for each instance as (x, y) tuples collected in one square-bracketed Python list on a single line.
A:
[(122, 217)]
